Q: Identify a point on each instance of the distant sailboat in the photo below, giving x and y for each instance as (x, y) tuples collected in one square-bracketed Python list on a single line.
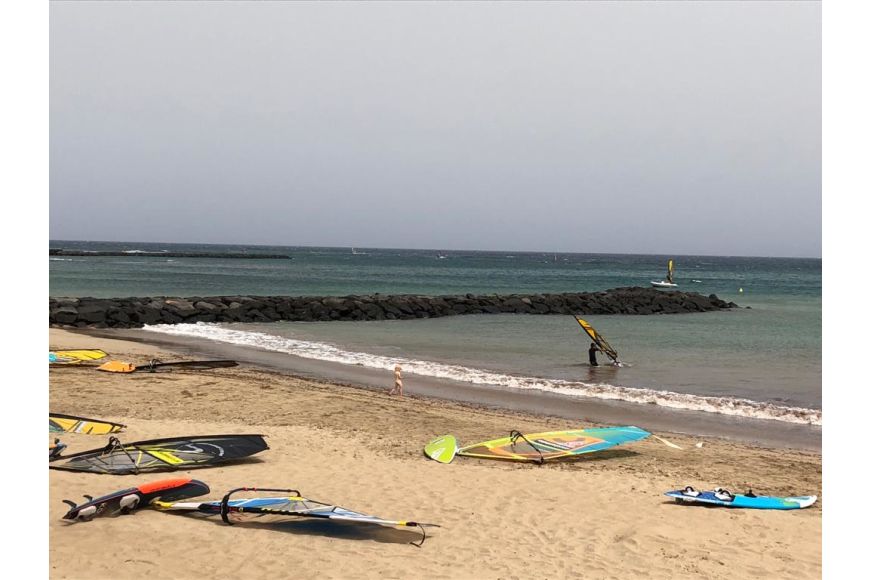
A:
[(355, 253), (668, 282)]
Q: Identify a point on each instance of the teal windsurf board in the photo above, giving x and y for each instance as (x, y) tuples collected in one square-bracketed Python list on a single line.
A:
[(724, 498)]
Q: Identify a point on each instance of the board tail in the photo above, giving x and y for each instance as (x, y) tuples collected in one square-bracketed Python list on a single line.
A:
[(803, 501), (442, 449)]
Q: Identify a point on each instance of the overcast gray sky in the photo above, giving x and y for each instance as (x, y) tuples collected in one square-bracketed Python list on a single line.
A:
[(684, 128)]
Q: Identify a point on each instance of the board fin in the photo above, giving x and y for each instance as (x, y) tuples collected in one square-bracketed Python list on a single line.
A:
[(70, 503), (442, 449)]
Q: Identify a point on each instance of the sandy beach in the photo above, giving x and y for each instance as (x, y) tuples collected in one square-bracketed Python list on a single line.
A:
[(602, 516)]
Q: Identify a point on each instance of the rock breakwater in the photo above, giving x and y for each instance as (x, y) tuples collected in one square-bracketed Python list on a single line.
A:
[(137, 312)]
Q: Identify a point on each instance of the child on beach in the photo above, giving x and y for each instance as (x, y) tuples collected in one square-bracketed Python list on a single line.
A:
[(397, 387)]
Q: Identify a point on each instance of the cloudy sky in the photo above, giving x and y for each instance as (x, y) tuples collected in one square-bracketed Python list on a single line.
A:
[(679, 128)]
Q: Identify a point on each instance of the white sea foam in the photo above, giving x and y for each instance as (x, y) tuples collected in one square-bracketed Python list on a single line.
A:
[(326, 352)]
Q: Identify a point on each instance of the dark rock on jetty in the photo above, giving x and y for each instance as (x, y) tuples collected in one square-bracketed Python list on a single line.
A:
[(62, 252), (137, 312)]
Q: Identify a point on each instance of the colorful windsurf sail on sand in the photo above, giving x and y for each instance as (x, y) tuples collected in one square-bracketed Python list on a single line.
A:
[(59, 423), (155, 366), (599, 340), (281, 509), (64, 357), (172, 453), (724, 498), (536, 447), (128, 500)]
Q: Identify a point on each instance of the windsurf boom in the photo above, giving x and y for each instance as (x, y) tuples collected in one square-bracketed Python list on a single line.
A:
[(172, 453), (282, 508), (599, 340), (536, 447)]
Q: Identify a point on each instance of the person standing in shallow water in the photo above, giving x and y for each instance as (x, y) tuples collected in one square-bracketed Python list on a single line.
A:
[(397, 387), (593, 361)]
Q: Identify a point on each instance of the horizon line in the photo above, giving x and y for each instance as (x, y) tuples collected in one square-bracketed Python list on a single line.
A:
[(445, 249)]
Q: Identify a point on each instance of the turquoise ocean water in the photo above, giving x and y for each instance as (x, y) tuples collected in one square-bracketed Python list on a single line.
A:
[(764, 361)]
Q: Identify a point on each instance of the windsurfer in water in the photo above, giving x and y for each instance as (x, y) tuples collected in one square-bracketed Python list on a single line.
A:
[(397, 387), (593, 348)]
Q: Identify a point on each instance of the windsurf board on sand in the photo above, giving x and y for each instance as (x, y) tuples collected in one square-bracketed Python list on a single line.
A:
[(128, 500), (724, 498)]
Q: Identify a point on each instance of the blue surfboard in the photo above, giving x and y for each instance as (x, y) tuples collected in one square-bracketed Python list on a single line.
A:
[(737, 500)]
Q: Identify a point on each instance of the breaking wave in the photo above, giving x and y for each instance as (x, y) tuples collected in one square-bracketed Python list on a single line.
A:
[(326, 352)]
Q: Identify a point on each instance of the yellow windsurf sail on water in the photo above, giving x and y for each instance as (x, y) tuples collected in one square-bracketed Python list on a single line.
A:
[(599, 340), (75, 356), (671, 271)]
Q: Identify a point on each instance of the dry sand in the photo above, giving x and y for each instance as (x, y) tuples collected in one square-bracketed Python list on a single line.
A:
[(603, 516)]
